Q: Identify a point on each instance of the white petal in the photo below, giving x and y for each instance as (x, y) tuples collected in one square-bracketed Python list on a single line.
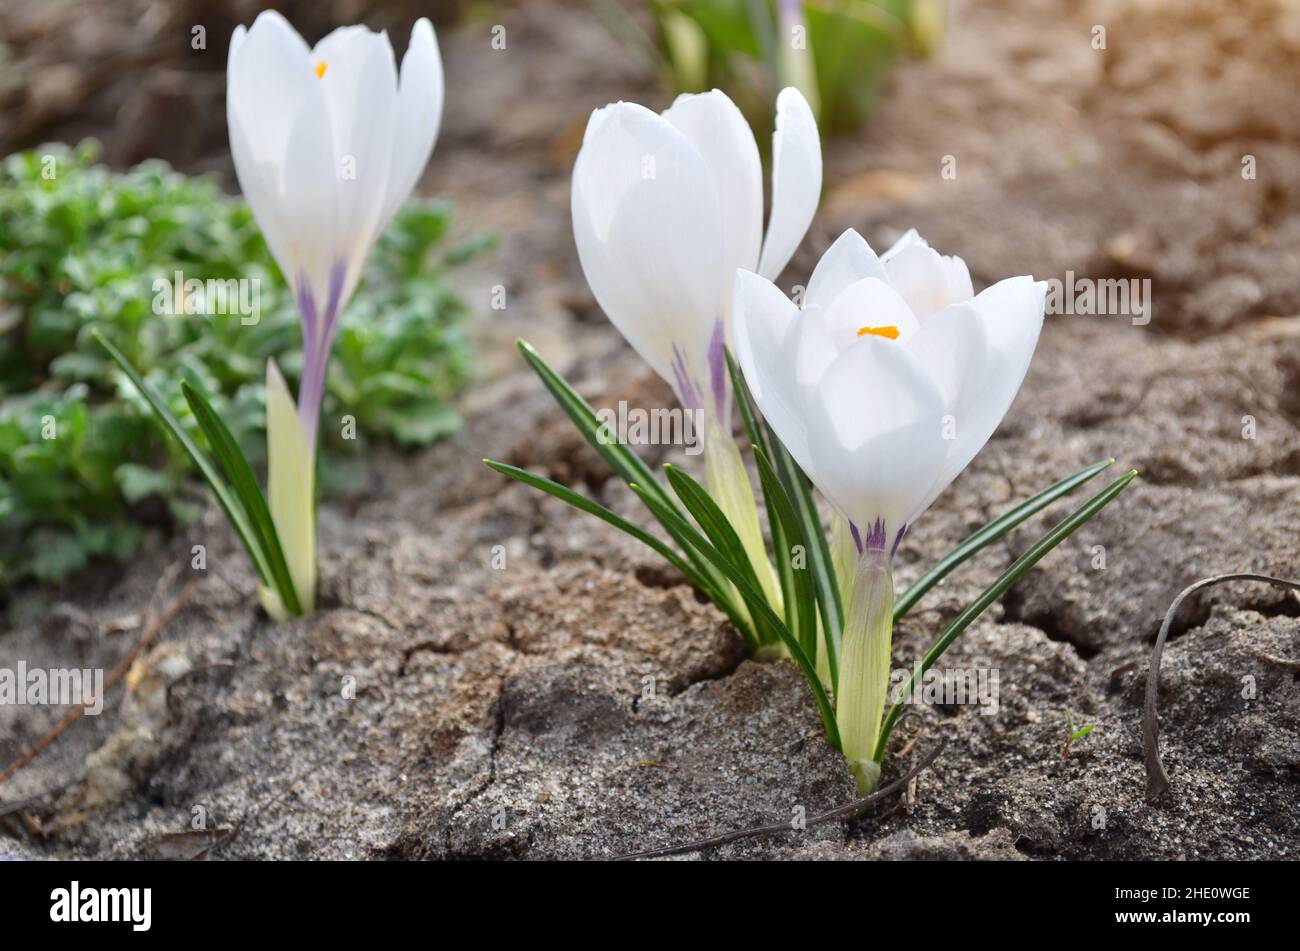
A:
[(724, 140), (359, 83), (419, 113), (814, 349), (766, 325), (259, 177), (236, 40), (796, 181), (283, 150), (649, 236), (875, 435), (1010, 314), (910, 238), (952, 347), (849, 259), (928, 280)]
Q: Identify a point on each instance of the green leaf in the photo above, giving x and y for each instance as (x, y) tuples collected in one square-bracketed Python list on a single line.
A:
[(756, 603), (799, 495), (992, 532), (780, 540), (805, 627), (622, 460), (711, 518), (1061, 531), (60, 557), (83, 252), (241, 477), (230, 504), (138, 482), (78, 366), (581, 502), (419, 424), (799, 491), (721, 533)]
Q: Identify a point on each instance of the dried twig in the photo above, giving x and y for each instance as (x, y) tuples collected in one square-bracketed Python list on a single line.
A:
[(1157, 778), (846, 811), (151, 631)]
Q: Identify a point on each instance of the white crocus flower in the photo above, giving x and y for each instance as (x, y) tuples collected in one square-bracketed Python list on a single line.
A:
[(884, 387), (328, 141), (666, 208)]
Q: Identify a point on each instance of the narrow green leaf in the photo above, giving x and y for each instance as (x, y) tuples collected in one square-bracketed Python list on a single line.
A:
[(1061, 531), (229, 503), (719, 531), (799, 495), (781, 543), (621, 459), (799, 491), (992, 532), (757, 605), (745, 400), (249, 493), (581, 502), (782, 553), (805, 628)]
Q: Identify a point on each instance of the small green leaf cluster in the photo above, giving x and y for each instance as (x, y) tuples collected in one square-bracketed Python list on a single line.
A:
[(746, 48), (83, 464)]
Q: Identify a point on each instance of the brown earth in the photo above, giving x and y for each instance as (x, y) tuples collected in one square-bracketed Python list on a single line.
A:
[(582, 701)]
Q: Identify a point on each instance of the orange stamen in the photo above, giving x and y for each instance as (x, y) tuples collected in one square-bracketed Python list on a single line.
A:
[(320, 69), (891, 332)]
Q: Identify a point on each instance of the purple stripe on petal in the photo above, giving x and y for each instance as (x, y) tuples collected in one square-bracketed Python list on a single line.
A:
[(875, 539), (686, 391), (718, 370), (857, 538), (306, 315), (337, 276), (897, 540), (316, 350)]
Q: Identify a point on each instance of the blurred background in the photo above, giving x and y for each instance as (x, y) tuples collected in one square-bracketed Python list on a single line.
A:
[(1144, 140)]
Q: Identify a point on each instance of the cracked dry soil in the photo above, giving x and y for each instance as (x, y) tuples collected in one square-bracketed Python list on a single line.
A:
[(505, 713)]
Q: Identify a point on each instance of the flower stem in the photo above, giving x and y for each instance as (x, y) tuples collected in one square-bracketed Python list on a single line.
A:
[(864, 664), (729, 486), (844, 561)]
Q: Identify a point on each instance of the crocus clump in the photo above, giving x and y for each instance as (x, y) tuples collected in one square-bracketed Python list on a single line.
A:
[(877, 391), (666, 207), (883, 387), (328, 141)]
